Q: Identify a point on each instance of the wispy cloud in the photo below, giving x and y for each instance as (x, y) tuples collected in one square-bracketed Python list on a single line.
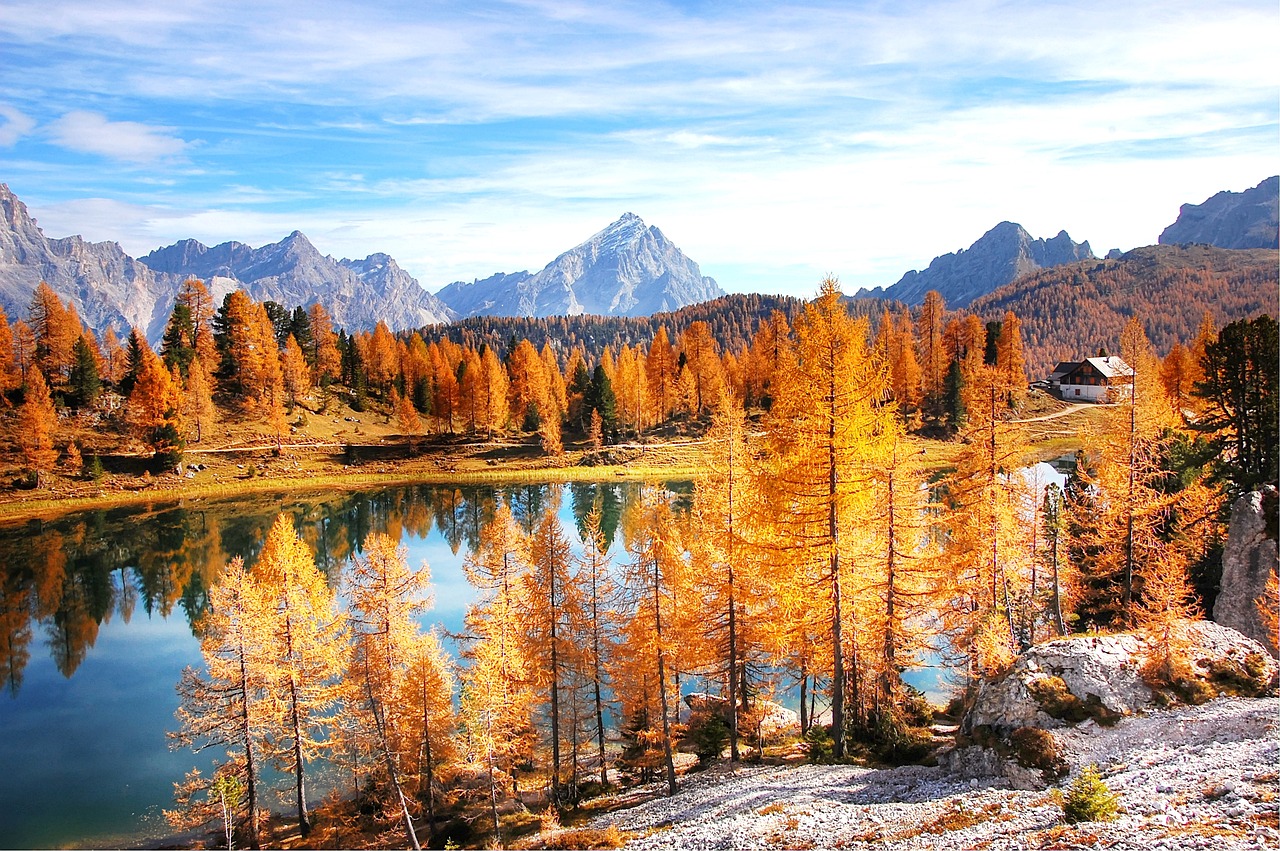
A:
[(13, 125), (772, 141), (127, 141)]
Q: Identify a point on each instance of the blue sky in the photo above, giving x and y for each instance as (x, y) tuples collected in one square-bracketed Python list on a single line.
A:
[(773, 142)]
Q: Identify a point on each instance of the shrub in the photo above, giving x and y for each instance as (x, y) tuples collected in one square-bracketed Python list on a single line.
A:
[(1036, 748), (1089, 798), (820, 745), (707, 736)]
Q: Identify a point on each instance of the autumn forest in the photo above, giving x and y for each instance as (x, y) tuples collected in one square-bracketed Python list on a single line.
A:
[(822, 553)]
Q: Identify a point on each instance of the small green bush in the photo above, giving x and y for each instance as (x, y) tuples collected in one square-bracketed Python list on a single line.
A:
[(1089, 798), (707, 736), (822, 747)]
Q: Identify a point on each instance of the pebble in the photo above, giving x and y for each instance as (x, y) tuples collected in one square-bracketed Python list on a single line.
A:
[(1163, 766)]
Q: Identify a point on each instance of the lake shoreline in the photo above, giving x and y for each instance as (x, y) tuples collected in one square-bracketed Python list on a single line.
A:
[(213, 474)]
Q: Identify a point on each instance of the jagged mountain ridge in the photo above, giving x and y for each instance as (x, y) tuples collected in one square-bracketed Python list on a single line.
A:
[(357, 293), (998, 257), (107, 286), (1248, 219), (110, 288), (627, 269)]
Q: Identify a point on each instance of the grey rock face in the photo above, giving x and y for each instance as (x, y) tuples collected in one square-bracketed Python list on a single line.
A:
[(627, 269), (1000, 256), (110, 288), (357, 293), (1248, 559), (1101, 674), (107, 286), (1248, 219)]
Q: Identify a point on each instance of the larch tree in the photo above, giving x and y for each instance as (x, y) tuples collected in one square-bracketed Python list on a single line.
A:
[(933, 355), (294, 372), (323, 357), (37, 422), (599, 592), (10, 374), (702, 360), (1127, 529), (552, 604), (497, 687), (198, 409), (384, 597), (822, 432), (1010, 360), (306, 648), (988, 549), (426, 697), (155, 408), (226, 706), (722, 509), (644, 668), (661, 370)]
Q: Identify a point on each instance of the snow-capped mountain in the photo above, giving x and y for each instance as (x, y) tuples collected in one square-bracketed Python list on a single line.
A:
[(627, 269)]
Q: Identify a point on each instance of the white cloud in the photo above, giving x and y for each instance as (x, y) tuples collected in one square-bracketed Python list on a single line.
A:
[(127, 141), (13, 125)]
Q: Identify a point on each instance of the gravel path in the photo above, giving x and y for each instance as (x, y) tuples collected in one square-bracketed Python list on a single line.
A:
[(1200, 777)]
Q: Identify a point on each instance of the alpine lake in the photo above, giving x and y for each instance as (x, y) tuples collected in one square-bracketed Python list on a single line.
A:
[(96, 615)]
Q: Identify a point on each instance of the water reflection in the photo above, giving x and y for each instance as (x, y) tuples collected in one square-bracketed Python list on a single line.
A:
[(66, 577)]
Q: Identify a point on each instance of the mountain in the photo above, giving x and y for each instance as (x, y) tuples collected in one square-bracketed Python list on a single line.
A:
[(107, 286), (357, 293), (1248, 219), (627, 269), (1001, 255), (1071, 311)]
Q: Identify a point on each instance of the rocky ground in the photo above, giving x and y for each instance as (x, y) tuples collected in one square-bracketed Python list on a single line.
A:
[(1201, 777)]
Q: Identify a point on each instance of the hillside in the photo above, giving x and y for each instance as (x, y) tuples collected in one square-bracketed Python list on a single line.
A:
[(733, 320), (1072, 311)]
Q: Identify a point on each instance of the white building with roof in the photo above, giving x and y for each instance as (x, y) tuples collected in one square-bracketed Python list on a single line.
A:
[(1101, 379)]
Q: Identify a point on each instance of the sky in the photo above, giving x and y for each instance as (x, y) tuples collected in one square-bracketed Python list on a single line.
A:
[(774, 143)]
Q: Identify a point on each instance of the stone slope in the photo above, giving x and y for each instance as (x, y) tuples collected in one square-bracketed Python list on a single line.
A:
[(998, 257), (1248, 219)]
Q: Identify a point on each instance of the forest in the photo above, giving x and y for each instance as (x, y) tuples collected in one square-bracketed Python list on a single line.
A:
[(816, 554)]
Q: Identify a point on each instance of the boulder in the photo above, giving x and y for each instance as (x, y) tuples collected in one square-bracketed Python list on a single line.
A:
[(1100, 678), (775, 719), (1249, 558)]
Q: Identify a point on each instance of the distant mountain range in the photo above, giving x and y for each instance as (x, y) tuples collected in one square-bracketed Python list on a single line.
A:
[(1248, 219), (627, 269), (1000, 256)]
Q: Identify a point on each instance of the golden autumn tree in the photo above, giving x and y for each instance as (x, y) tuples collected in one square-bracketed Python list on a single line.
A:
[(1010, 360), (325, 360), (898, 583), (988, 550), (384, 598), (407, 418), (155, 408), (598, 591), (294, 372), (55, 327), (1132, 509), (10, 375), (37, 422), (933, 355), (722, 509), (702, 363), (643, 663), (823, 430), (498, 696), (198, 409), (552, 604), (769, 356), (226, 705), (426, 700), (661, 370), (305, 648)]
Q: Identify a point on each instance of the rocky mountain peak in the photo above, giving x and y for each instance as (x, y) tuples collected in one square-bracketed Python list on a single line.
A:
[(1001, 255), (1248, 219), (627, 269)]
